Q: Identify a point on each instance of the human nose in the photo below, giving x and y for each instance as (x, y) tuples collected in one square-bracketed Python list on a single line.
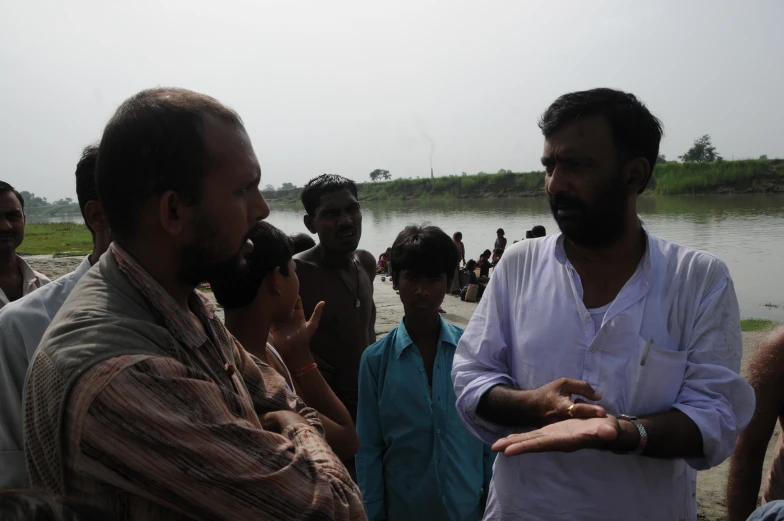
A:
[(5, 224), (557, 180), (260, 209), (345, 219), (421, 291)]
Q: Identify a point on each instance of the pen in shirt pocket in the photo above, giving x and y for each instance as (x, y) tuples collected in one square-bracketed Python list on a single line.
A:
[(645, 351)]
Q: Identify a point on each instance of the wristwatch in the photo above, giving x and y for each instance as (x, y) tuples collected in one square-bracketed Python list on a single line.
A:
[(643, 433)]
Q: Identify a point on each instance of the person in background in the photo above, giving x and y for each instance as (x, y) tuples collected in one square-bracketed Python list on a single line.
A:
[(766, 372), (497, 254), (383, 262), (457, 238), (602, 361), (484, 263), (773, 511), (415, 459), (17, 279), (265, 299), (500, 241), (538, 231), (210, 432), (529, 234), (471, 268), (23, 323), (336, 272), (301, 242), (31, 505)]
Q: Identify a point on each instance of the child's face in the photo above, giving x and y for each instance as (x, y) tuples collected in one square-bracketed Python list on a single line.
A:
[(419, 293), (289, 291)]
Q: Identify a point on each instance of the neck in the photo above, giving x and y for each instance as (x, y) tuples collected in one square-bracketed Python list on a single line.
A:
[(250, 326), (422, 325), (331, 259), (162, 265), (627, 248), (7, 261)]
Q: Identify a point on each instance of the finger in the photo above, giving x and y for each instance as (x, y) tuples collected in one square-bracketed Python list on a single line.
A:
[(540, 444), (587, 410), (315, 318), (580, 388), (503, 443)]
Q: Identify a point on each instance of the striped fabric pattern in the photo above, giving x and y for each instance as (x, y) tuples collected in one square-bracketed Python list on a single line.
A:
[(168, 438)]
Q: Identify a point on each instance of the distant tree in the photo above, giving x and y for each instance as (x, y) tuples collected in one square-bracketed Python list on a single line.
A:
[(287, 186), (702, 151), (463, 174), (63, 202), (378, 174), (763, 157), (661, 159), (269, 188), (32, 201), (387, 175)]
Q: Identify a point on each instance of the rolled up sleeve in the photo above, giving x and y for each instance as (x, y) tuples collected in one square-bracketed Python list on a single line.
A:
[(481, 360), (713, 394)]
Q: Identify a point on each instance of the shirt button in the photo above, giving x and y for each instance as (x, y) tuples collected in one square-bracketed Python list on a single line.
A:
[(438, 431), (421, 369), (587, 315), (593, 350), (429, 400)]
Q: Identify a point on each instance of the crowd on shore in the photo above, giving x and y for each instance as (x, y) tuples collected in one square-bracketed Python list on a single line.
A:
[(598, 374)]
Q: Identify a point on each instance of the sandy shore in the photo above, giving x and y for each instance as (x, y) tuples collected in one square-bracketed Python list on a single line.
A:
[(711, 483)]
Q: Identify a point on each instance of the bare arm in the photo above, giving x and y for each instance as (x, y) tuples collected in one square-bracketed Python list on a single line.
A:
[(368, 263), (765, 376)]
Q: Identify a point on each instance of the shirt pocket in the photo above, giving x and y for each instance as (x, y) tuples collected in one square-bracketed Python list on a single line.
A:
[(655, 379)]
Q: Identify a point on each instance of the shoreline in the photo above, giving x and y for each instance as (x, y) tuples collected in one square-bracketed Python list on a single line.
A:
[(711, 484)]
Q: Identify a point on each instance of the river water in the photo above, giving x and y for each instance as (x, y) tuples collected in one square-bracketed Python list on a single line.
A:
[(745, 231)]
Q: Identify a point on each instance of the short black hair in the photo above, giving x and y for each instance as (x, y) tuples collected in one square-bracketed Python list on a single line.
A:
[(322, 185), (471, 265), (636, 132), (499, 230), (85, 180), (5, 187), (538, 231), (154, 143), (301, 242), (271, 249), (487, 253), (425, 250)]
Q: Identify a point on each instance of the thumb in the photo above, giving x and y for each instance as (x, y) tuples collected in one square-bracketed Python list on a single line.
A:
[(315, 318)]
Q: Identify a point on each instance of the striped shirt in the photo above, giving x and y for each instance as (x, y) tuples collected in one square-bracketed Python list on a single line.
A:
[(169, 438)]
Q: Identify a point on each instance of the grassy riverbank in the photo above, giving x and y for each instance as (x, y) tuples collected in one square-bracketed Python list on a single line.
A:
[(720, 177), (56, 239)]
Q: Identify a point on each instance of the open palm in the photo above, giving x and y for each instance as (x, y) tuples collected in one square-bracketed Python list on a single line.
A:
[(564, 436)]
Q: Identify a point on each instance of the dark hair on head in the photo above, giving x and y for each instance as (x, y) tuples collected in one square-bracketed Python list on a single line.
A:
[(5, 187), (636, 132), (471, 265), (322, 185), (457, 235), (301, 242), (529, 234), (154, 143), (271, 249), (487, 253), (499, 230), (30, 505), (425, 250), (85, 180), (538, 231), (498, 251)]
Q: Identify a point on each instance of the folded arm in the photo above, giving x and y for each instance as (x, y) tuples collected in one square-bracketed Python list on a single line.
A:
[(198, 448)]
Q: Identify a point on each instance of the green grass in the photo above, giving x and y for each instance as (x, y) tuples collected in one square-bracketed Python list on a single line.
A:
[(757, 324), (56, 238), (743, 176)]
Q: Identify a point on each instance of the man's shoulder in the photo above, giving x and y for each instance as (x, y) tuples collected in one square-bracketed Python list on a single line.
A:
[(688, 262), (381, 348), (455, 331)]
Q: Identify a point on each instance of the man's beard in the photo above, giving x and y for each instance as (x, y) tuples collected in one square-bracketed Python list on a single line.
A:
[(595, 226), (203, 262)]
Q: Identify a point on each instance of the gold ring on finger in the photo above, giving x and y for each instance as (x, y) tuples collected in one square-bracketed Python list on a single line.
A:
[(570, 410)]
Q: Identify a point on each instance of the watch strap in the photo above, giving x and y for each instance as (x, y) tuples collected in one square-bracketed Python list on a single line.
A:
[(640, 429)]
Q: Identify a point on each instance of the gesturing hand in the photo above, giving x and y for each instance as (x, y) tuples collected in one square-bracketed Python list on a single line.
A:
[(292, 338), (565, 436), (278, 421), (554, 401)]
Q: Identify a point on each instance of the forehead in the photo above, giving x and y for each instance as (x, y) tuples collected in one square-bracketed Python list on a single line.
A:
[(228, 147), (9, 202), (587, 136), (337, 199)]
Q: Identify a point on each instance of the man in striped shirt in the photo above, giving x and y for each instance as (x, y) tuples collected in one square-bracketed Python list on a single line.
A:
[(138, 400)]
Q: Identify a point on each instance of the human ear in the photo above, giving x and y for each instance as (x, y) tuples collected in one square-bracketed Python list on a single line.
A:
[(308, 220), (175, 212), (638, 172)]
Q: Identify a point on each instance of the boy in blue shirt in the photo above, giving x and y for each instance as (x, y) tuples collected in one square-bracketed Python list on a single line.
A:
[(416, 460)]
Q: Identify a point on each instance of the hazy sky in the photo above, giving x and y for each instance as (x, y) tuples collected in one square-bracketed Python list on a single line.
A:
[(350, 86)]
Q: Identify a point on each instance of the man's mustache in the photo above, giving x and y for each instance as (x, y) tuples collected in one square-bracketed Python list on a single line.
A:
[(560, 201)]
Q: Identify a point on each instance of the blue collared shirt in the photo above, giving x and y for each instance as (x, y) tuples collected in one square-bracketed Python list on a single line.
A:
[(416, 460), (670, 340)]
